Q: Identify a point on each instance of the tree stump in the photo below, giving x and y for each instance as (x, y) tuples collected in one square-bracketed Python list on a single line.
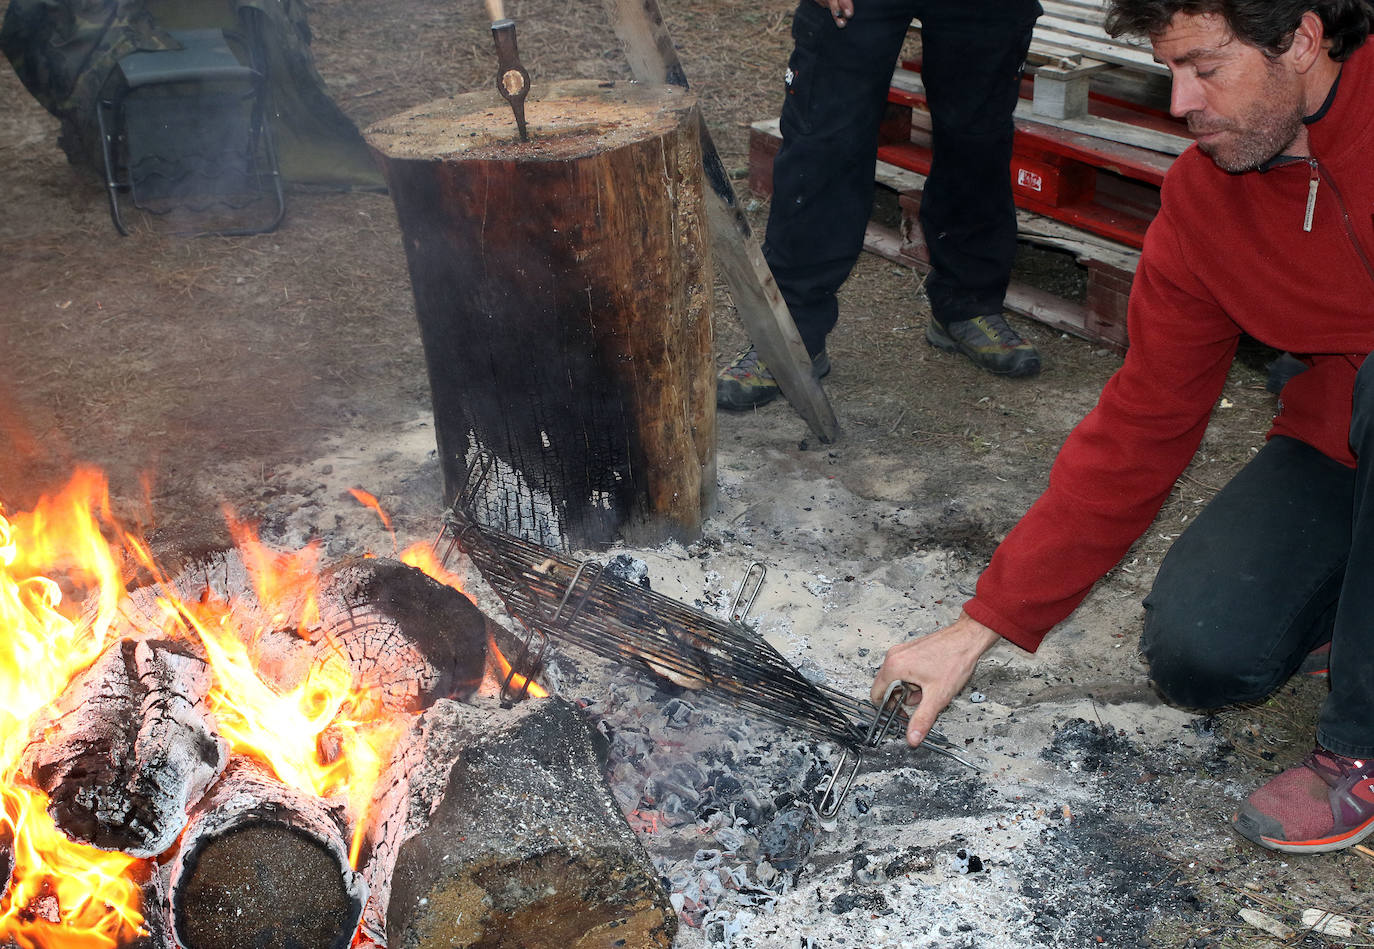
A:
[(563, 288)]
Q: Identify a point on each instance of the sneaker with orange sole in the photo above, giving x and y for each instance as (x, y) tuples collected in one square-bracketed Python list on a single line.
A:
[(1324, 804)]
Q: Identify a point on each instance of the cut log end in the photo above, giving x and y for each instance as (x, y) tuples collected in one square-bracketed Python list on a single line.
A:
[(566, 120), (265, 885)]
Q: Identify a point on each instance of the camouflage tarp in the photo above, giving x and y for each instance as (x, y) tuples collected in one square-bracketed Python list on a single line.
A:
[(64, 51)]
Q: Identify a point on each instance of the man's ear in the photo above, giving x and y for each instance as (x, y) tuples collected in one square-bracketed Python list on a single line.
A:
[(1309, 43)]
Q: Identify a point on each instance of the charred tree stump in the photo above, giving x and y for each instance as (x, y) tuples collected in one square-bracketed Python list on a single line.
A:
[(527, 850), (262, 864), (129, 747), (564, 289)]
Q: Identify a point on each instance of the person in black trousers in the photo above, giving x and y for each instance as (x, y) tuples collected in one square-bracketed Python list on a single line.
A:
[(973, 54)]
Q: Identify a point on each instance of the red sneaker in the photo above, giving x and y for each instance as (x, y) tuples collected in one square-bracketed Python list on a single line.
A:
[(1326, 803)]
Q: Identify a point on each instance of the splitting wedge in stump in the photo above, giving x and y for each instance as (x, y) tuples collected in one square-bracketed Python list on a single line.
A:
[(654, 61)]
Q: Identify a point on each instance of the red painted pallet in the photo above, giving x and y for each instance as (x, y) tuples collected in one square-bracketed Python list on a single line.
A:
[(1108, 267), (1101, 186)]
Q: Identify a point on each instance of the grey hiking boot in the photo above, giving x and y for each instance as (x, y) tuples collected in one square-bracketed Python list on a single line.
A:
[(746, 383), (989, 342)]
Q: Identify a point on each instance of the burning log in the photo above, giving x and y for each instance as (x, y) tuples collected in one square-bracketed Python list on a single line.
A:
[(403, 634), (129, 747), (527, 848), (564, 293), (263, 864), (408, 635), (6, 856)]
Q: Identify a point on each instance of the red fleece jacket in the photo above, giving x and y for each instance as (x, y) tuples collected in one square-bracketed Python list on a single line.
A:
[(1227, 254)]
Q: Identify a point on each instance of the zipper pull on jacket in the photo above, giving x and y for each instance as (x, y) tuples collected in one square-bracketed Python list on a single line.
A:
[(1311, 195)]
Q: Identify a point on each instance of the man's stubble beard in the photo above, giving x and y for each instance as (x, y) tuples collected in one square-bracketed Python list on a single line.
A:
[(1257, 137)]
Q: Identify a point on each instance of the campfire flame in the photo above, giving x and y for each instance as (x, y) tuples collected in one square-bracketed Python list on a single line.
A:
[(60, 893), (517, 681), (61, 586), (289, 730)]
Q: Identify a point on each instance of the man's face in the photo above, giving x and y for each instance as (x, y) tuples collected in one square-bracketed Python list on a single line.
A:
[(1243, 107)]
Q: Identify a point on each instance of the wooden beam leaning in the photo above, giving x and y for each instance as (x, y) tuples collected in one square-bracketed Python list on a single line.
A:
[(653, 60)]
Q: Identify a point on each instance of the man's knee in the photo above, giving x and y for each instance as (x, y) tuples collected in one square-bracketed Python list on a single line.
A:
[(1191, 666)]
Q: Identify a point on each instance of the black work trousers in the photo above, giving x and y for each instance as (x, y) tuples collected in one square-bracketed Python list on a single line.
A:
[(973, 53), (1280, 561)]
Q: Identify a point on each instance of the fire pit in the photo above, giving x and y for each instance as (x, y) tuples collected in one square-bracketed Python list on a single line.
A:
[(255, 751), (664, 806)]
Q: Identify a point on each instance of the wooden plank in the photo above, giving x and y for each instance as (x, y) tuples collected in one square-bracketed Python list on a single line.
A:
[(1124, 133), (1068, 10), (653, 59), (1086, 40)]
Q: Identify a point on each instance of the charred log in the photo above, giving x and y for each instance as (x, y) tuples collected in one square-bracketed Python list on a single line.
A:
[(6, 856), (262, 864), (527, 849), (414, 638), (564, 294), (128, 748), (407, 793)]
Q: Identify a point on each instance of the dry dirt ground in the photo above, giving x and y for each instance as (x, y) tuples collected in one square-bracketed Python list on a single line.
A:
[(272, 373)]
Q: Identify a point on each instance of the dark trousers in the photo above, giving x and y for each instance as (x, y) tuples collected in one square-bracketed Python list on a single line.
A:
[(837, 82), (1281, 561)]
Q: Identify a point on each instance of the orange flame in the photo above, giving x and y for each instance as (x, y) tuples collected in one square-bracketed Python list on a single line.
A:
[(517, 681), (327, 735), (60, 893), (421, 556), (286, 730), (367, 500)]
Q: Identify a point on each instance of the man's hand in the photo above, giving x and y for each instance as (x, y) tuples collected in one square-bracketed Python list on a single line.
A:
[(841, 10), (938, 666)]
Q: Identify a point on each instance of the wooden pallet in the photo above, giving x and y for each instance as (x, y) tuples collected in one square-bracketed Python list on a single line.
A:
[(1094, 139), (1100, 172), (1109, 266)]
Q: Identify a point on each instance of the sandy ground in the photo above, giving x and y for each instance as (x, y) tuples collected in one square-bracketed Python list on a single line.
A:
[(272, 374)]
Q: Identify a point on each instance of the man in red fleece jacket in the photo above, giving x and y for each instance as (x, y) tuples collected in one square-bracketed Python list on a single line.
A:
[(1265, 228)]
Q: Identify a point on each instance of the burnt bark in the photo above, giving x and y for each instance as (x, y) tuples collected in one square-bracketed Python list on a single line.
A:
[(129, 747), (265, 865), (527, 849), (564, 291)]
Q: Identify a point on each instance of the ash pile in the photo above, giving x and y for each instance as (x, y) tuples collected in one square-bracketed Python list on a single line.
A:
[(923, 850)]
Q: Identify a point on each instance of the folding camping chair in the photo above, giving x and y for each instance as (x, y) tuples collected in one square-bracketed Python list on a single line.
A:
[(185, 136)]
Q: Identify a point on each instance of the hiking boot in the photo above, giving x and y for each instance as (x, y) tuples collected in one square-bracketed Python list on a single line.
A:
[(989, 342), (746, 383), (1325, 803)]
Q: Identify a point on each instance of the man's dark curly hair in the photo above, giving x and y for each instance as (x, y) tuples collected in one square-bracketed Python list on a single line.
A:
[(1265, 24)]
